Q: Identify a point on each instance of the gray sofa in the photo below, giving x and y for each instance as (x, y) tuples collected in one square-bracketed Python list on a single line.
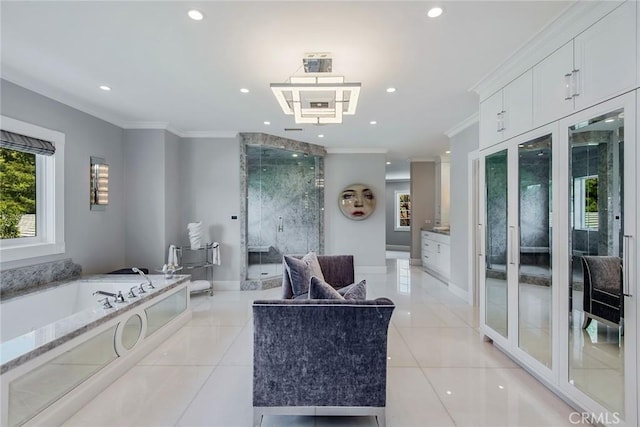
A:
[(320, 357)]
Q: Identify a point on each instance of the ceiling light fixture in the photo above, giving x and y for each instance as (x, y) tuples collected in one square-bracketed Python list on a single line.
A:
[(391, 89), (434, 12), (317, 97), (196, 15), (105, 88)]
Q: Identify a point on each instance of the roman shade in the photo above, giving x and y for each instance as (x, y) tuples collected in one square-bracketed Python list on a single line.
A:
[(28, 144)]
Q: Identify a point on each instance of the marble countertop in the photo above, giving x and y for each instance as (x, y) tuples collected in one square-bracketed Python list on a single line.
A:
[(430, 229), (20, 350)]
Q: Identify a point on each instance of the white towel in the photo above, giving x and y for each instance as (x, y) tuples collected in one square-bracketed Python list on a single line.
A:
[(215, 249)]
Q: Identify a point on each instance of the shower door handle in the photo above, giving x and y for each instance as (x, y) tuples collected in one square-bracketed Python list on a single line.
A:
[(626, 267), (280, 224)]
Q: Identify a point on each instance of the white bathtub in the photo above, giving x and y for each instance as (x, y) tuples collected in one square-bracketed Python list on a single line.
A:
[(55, 334)]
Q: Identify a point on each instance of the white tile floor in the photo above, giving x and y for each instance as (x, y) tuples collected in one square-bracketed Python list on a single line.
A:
[(441, 372)]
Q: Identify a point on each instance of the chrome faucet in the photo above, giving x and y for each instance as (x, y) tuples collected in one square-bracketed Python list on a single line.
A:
[(137, 270), (131, 293), (106, 302), (116, 297), (109, 294)]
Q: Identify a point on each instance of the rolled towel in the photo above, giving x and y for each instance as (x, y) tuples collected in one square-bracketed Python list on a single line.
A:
[(215, 248)]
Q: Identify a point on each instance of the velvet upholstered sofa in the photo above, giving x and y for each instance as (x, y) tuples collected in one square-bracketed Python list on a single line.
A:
[(321, 356)]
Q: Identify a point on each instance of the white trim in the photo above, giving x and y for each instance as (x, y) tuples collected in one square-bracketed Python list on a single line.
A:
[(50, 239), (371, 269), (460, 293), (474, 118), (472, 241), (338, 150)]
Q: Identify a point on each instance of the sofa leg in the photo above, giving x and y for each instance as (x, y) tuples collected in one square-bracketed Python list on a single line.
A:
[(257, 418)]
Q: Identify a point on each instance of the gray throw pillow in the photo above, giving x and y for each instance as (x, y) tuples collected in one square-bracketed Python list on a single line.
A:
[(312, 261), (319, 289), (355, 291), (299, 275)]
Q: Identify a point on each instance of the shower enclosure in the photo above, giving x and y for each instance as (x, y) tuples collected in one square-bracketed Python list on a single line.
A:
[(283, 207)]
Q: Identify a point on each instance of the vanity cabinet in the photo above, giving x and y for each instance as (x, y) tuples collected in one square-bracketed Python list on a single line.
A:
[(436, 253), (596, 65), (508, 112)]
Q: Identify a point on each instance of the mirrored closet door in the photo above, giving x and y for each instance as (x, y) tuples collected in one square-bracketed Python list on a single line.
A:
[(602, 214)]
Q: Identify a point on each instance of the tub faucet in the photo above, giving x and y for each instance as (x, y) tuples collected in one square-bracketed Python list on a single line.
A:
[(105, 302), (137, 270), (109, 294)]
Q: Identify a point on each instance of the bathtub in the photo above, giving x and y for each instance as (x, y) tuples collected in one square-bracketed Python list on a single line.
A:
[(60, 347)]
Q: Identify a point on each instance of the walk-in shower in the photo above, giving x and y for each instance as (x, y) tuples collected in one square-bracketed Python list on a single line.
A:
[(282, 207)]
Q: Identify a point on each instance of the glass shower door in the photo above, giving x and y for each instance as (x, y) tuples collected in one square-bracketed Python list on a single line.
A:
[(283, 208)]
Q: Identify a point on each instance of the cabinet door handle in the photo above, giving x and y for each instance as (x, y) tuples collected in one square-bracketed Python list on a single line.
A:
[(568, 83), (499, 122), (503, 126), (512, 258), (626, 288), (576, 83), (438, 248)]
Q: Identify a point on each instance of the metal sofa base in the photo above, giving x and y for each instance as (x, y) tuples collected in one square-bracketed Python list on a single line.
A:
[(260, 411)]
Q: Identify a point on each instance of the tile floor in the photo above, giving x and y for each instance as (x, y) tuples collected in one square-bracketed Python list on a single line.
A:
[(441, 372)]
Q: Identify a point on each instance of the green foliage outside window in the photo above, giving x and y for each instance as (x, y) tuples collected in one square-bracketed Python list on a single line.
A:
[(591, 194), (17, 190)]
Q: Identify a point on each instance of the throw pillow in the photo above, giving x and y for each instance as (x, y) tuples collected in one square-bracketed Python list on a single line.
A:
[(319, 289), (355, 291), (312, 261), (299, 275)]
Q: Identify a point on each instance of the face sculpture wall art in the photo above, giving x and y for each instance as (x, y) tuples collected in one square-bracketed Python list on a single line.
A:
[(357, 201)]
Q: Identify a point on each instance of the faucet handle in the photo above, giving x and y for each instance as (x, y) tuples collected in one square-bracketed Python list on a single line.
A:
[(132, 294), (150, 285), (141, 289), (106, 302), (119, 297)]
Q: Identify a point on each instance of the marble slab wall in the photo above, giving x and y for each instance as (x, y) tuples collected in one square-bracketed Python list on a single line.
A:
[(22, 280)]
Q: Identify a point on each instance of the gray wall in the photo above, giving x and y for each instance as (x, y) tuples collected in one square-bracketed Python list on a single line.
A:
[(395, 238), (422, 202), (364, 239), (93, 239), (209, 171), (461, 145)]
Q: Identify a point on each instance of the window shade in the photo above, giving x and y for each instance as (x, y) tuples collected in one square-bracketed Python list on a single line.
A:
[(15, 141)]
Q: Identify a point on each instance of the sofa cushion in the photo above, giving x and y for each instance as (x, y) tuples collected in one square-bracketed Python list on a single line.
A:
[(355, 291), (299, 274), (319, 289), (312, 261)]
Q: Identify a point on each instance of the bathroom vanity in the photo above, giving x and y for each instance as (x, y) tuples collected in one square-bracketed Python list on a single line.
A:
[(436, 253)]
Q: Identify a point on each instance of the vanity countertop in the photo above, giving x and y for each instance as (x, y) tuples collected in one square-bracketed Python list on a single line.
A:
[(430, 229)]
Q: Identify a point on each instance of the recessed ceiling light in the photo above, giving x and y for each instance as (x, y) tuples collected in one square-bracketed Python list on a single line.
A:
[(267, 123), (196, 15), (391, 89), (321, 136), (105, 88), (388, 163), (434, 12), (373, 122), (447, 152), (244, 90)]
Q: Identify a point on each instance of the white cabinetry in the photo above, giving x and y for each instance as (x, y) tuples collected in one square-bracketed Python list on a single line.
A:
[(507, 113), (436, 254), (596, 65)]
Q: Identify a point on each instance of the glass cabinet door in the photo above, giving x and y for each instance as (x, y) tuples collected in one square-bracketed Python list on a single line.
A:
[(534, 266), (496, 201)]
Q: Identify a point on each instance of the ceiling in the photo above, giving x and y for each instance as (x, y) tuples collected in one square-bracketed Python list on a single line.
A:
[(168, 70)]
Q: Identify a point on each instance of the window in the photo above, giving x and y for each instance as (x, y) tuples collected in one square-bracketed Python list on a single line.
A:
[(585, 210), (402, 211), (32, 191)]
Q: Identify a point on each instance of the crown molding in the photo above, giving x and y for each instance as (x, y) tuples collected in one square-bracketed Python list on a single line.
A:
[(210, 134), (337, 150), (423, 159), (572, 21), (474, 118)]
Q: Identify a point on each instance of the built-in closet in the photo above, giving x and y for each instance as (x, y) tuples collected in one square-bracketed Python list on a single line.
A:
[(557, 191)]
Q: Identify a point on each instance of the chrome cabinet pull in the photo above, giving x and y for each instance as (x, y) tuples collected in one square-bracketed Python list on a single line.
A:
[(576, 83), (568, 83), (499, 122), (626, 288), (512, 258)]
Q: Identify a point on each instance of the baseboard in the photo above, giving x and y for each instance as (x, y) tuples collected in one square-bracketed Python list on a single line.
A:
[(370, 269), (226, 285), (401, 248), (460, 293)]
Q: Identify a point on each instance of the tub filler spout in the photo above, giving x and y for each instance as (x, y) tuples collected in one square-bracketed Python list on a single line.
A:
[(137, 270)]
